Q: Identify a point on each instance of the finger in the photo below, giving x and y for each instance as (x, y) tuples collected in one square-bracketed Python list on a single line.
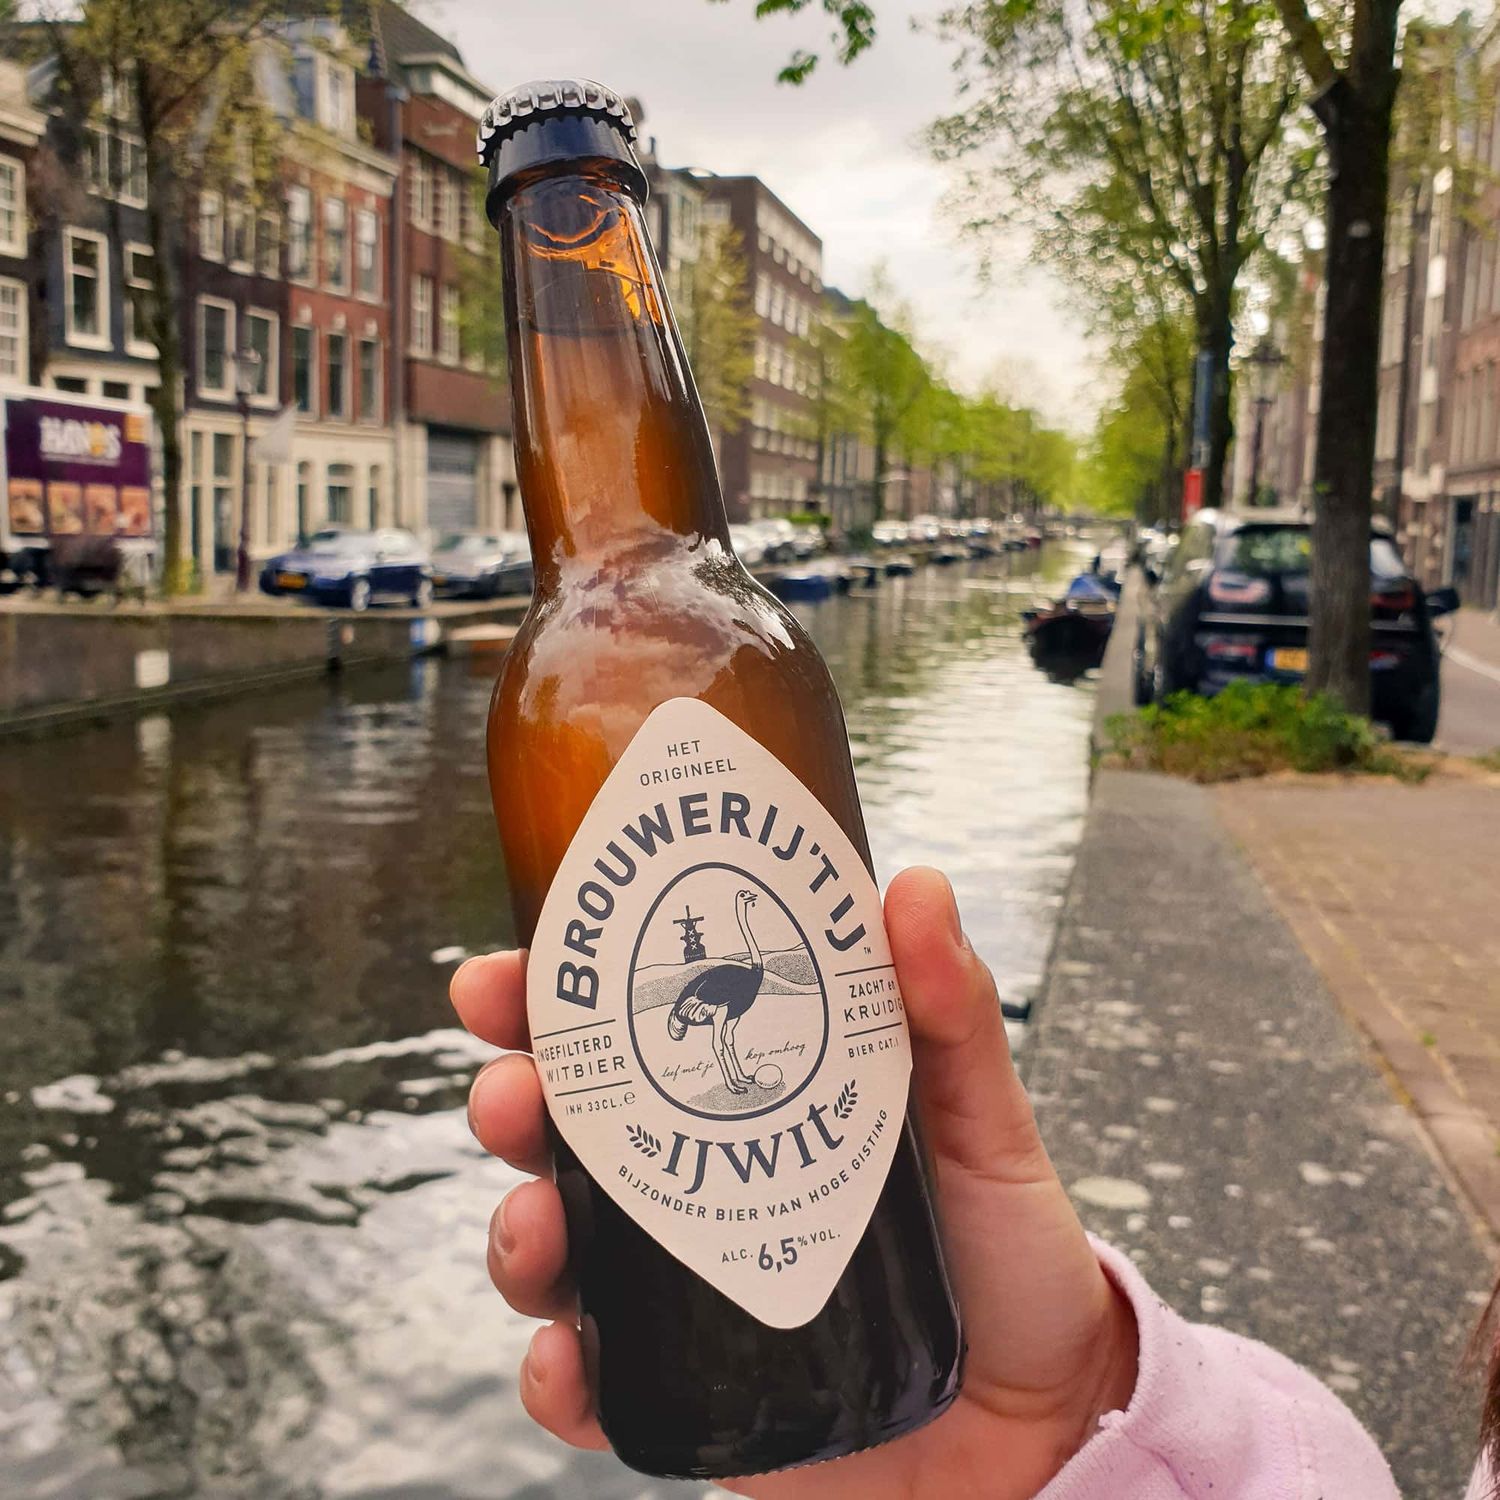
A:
[(555, 1390), (528, 1252), (507, 1113), (489, 994), (973, 1106)]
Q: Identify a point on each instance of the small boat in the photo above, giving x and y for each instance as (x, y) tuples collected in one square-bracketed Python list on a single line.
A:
[(949, 552), (802, 584), (1070, 634), (864, 572), (899, 564)]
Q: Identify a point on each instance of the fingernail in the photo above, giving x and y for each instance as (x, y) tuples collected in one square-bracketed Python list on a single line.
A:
[(955, 922), (503, 1232), (528, 1372)]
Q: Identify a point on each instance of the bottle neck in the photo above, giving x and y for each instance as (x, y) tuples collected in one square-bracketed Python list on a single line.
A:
[(612, 449)]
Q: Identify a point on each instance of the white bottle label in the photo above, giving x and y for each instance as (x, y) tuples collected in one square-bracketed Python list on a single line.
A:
[(715, 1016)]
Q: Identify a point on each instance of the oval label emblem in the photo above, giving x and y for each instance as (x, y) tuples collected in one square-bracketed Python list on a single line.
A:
[(728, 1012)]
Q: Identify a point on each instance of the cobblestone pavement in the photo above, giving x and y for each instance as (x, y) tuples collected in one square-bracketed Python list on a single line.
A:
[(1213, 1113), (1390, 890)]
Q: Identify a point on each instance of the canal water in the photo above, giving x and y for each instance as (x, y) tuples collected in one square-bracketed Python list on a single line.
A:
[(242, 1220)]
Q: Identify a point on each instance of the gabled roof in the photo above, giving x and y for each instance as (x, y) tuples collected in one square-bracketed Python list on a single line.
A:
[(397, 35)]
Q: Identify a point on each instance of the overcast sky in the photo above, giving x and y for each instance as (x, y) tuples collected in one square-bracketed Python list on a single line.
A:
[(842, 151)]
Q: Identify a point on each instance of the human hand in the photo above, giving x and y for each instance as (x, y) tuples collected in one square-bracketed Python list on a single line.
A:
[(1052, 1344)]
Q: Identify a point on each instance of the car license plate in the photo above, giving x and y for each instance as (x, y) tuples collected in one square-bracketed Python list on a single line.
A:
[(1290, 659), (291, 580)]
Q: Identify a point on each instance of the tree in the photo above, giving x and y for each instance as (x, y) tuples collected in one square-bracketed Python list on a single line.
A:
[(886, 373), (181, 75), (1145, 145), (718, 325)]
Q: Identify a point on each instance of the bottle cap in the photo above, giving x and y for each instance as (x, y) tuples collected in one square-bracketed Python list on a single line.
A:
[(555, 120)]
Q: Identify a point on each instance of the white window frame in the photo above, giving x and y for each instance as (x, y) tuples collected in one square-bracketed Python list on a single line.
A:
[(419, 205), (15, 243), (450, 325), (211, 247), (100, 340), (141, 348), (268, 221), (226, 391), (238, 213), (341, 285), (372, 418), (314, 404), (21, 331), (423, 316), (363, 218), (271, 365), (300, 193), (341, 412)]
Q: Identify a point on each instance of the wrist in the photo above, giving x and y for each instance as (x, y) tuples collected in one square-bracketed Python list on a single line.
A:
[(1114, 1369)]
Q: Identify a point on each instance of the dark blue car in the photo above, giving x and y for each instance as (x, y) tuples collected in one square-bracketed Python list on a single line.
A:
[(353, 569)]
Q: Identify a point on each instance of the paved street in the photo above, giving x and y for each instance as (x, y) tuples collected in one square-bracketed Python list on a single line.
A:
[(1213, 1114), (1470, 722)]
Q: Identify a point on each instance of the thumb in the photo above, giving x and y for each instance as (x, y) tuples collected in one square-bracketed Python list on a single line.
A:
[(974, 1111)]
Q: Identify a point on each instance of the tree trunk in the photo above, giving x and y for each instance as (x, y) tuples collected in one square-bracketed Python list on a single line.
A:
[(880, 467), (177, 569), (1216, 338), (1358, 132)]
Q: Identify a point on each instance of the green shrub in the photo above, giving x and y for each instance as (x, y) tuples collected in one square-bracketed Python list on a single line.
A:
[(1250, 729), (809, 518)]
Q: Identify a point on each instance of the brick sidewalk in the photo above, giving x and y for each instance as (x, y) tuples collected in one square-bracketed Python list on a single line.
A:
[(1390, 890)]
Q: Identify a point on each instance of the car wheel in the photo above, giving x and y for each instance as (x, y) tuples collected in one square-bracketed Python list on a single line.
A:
[(359, 595), (1417, 721), (422, 599)]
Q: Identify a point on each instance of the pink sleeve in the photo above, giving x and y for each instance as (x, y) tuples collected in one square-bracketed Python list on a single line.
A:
[(1215, 1415)]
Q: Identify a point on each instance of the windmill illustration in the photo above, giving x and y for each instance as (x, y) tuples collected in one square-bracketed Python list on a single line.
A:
[(692, 938)]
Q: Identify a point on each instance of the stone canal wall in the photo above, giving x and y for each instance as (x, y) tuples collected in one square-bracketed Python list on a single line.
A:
[(62, 663)]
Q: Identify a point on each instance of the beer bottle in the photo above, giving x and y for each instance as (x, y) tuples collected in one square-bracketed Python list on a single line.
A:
[(714, 1014)]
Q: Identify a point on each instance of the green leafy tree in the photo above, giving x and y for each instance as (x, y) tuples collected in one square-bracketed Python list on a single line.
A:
[(718, 327), (180, 75)]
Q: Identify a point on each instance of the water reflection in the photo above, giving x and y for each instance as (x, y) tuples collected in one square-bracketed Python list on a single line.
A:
[(241, 1220)]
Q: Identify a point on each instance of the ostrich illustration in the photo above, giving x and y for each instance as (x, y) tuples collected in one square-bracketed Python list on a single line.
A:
[(719, 996)]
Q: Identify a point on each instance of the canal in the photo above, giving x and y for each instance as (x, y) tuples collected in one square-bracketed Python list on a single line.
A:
[(241, 1217)]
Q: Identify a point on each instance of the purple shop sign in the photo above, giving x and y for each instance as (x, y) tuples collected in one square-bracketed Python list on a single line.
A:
[(75, 470)]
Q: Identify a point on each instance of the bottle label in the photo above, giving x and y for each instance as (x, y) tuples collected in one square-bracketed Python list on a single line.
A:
[(715, 1015)]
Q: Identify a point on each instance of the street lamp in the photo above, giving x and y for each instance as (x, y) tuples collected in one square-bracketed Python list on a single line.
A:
[(246, 382), (1265, 360)]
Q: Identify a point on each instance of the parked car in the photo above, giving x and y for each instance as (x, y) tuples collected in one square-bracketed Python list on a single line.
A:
[(482, 565), (748, 543), (778, 536), (1232, 605), (354, 569)]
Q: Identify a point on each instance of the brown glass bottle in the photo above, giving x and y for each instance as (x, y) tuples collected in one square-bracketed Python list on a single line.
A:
[(640, 599)]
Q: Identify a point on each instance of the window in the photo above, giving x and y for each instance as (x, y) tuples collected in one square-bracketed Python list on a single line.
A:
[(336, 244), (12, 207), (419, 174), (304, 369), (12, 330), (86, 276), (468, 213), (263, 335), (139, 291), (421, 316), (369, 380), (449, 333), (305, 86), (211, 226), (115, 166), (450, 190), (268, 244), (366, 253), (337, 96), (375, 488), (763, 296), (338, 375), (299, 234), (237, 246), (115, 390), (341, 492), (215, 347)]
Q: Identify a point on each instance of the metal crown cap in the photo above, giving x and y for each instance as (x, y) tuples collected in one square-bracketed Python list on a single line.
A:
[(522, 106)]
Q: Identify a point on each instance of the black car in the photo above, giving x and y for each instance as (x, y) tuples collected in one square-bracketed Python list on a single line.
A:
[(354, 569), (1231, 605)]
